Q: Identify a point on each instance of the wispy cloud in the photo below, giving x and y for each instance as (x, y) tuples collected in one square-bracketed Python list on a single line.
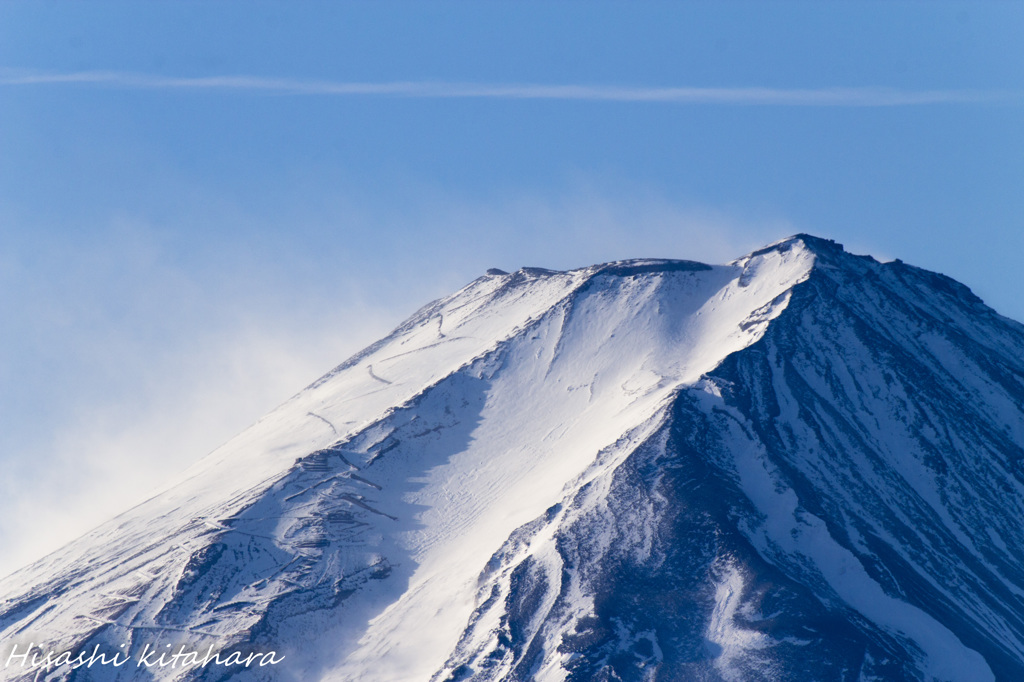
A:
[(821, 97)]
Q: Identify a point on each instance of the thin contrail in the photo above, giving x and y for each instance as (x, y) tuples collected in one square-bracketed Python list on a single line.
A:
[(822, 97)]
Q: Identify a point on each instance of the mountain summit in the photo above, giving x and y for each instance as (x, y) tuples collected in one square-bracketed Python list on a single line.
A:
[(801, 465)]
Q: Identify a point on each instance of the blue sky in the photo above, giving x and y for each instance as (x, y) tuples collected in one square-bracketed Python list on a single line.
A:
[(203, 206)]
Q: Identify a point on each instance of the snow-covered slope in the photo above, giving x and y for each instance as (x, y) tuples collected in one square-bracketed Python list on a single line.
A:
[(801, 465)]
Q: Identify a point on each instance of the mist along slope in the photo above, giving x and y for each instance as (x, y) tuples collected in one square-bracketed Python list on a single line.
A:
[(802, 465)]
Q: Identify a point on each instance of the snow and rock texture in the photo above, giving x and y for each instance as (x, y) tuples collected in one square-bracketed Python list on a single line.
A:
[(802, 465)]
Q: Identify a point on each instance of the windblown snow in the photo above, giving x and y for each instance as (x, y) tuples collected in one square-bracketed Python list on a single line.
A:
[(800, 465)]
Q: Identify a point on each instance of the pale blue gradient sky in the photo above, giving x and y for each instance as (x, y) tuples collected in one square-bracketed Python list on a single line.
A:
[(181, 250)]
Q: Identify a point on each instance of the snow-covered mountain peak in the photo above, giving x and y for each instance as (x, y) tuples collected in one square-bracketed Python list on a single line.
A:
[(643, 469), (555, 366)]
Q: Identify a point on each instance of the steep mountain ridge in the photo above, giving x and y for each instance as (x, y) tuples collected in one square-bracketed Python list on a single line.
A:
[(822, 505), (801, 465)]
